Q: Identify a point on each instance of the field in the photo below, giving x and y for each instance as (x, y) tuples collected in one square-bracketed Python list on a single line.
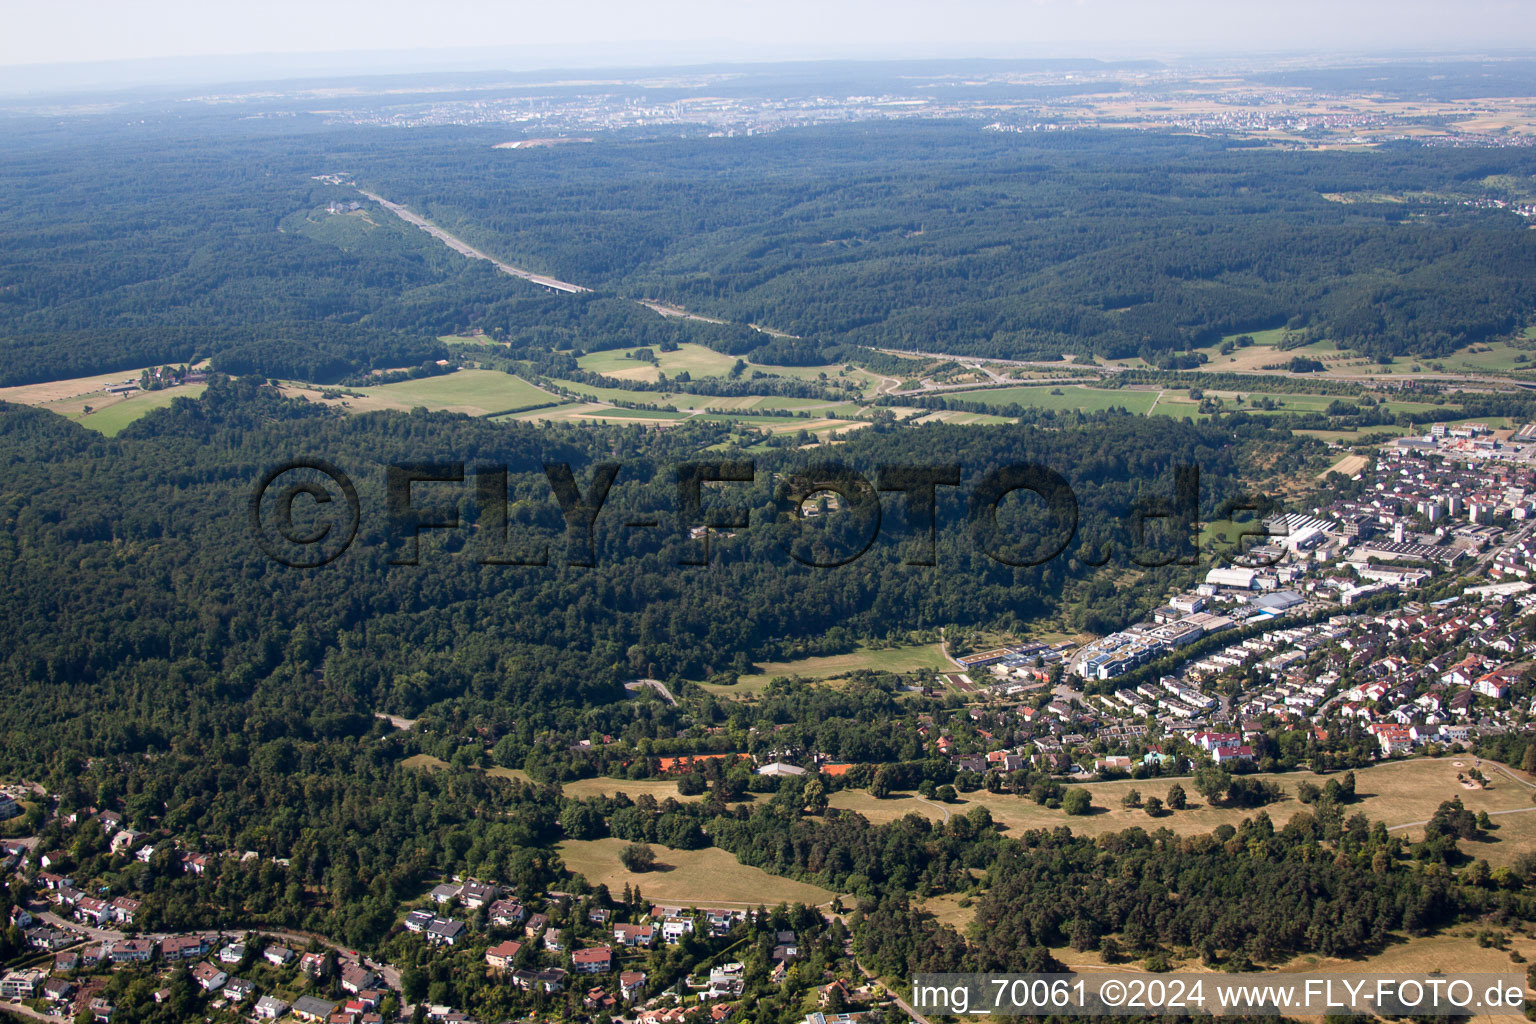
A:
[(927, 657), (1072, 397), (661, 789), (696, 360), (108, 413), (473, 392), (1348, 465), (833, 668), (708, 877), (1398, 793), (112, 416)]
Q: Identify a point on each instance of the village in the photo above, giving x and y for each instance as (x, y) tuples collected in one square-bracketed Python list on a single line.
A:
[(606, 952), (1323, 627)]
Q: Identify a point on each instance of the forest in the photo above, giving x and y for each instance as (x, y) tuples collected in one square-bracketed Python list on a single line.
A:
[(179, 240)]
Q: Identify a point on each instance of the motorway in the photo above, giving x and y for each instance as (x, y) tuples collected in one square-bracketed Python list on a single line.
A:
[(464, 248)]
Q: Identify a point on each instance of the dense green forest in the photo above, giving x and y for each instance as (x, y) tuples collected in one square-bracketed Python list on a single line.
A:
[(130, 561), (943, 237), (124, 246)]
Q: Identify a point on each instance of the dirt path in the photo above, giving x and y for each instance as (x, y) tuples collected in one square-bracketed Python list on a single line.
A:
[(1491, 814)]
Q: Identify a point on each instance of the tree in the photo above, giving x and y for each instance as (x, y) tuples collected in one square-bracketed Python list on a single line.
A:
[(947, 793), (1077, 802), (1132, 798), (814, 796), (880, 786), (1212, 781), (1154, 806), (1528, 762), (638, 857), (1177, 799)]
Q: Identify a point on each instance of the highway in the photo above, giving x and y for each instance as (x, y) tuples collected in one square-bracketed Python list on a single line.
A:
[(464, 248)]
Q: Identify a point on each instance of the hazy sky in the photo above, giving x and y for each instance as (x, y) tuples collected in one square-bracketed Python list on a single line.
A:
[(595, 32)]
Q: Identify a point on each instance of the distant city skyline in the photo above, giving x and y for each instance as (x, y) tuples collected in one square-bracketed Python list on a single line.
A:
[(179, 40)]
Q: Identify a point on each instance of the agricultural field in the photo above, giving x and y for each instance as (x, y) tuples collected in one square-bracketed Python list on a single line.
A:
[(709, 877), (475, 392), (1399, 793), (696, 360), (85, 399), (472, 392), (114, 414), (1071, 397), (598, 412), (1348, 465)]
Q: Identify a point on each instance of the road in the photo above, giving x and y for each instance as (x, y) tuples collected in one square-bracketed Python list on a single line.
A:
[(1493, 552), (464, 248), (23, 1010), (1349, 378)]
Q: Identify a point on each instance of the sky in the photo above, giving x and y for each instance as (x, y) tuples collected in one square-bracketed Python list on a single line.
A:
[(347, 36)]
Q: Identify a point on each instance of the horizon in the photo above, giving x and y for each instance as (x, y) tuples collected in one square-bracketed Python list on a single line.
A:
[(168, 42)]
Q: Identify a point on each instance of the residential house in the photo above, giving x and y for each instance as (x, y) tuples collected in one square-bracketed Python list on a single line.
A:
[(209, 976), (21, 984), (477, 894), (506, 913), (501, 955), (308, 1008), (270, 1008), (355, 978), (593, 960), (445, 931), (643, 935)]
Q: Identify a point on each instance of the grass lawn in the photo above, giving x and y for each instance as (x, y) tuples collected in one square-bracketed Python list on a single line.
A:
[(661, 789), (708, 877), (1452, 952), (1396, 793), (111, 418), (925, 657)]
